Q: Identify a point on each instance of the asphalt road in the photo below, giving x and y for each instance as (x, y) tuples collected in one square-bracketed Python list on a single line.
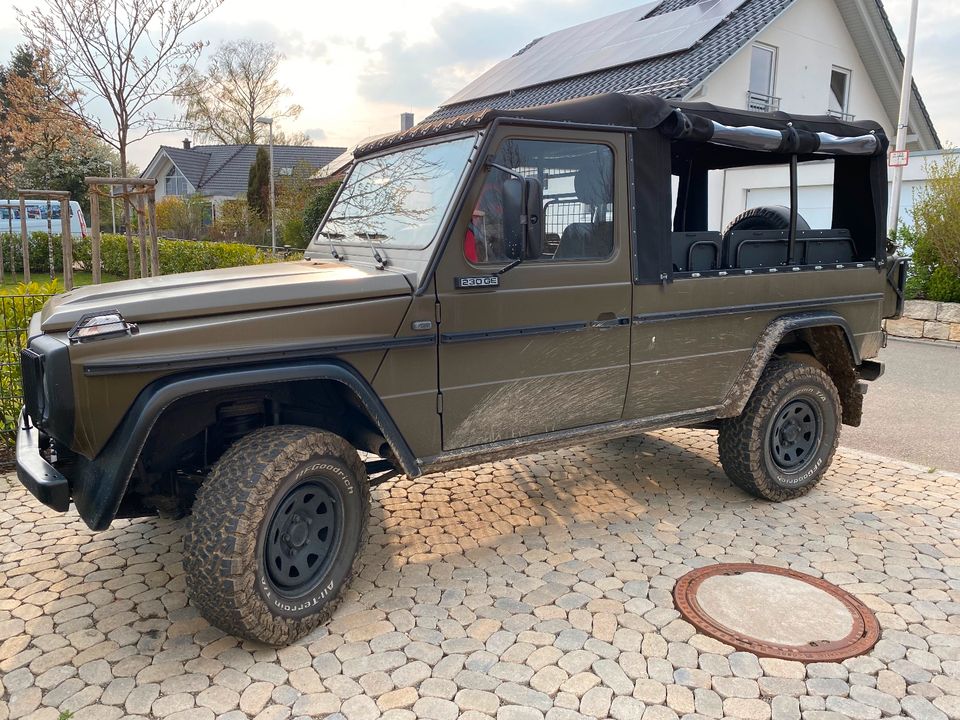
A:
[(913, 412)]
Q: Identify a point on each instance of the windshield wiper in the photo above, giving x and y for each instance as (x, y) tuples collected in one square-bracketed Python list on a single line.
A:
[(370, 237), (331, 236)]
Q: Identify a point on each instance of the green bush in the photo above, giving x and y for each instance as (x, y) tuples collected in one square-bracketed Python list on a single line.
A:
[(39, 252), (17, 306), (176, 256), (317, 208), (943, 285)]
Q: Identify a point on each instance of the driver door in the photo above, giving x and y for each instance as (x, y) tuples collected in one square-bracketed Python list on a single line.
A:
[(547, 347)]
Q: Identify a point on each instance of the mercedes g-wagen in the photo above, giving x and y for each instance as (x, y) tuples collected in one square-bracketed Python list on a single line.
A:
[(481, 287)]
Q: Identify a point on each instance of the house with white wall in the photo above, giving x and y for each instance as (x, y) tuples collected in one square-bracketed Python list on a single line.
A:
[(811, 57)]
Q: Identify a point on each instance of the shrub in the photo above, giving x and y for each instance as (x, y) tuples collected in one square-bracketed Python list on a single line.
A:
[(934, 240), (17, 306), (317, 208), (39, 252), (176, 256), (943, 285)]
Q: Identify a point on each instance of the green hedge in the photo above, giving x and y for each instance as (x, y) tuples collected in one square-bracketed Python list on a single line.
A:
[(175, 255), (17, 306)]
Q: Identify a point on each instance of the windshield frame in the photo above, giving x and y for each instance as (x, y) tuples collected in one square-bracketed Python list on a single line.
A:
[(320, 243)]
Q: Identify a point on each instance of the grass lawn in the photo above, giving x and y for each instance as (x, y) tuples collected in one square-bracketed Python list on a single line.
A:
[(79, 278)]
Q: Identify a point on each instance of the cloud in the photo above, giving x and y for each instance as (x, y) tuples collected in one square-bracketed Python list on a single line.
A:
[(293, 43), (316, 134), (465, 42)]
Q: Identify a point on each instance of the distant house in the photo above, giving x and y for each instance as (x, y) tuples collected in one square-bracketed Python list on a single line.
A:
[(221, 172), (814, 57)]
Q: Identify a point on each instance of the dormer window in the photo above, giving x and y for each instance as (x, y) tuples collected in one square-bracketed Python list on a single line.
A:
[(175, 183), (838, 103), (763, 71)]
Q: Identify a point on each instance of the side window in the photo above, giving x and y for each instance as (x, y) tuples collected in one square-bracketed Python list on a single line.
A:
[(577, 180)]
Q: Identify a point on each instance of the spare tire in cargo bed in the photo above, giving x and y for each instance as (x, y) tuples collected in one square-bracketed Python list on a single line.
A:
[(769, 217)]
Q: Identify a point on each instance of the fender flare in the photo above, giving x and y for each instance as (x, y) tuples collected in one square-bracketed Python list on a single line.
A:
[(766, 344), (100, 484)]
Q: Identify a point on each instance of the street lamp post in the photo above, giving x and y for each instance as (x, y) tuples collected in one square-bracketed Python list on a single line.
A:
[(906, 92), (268, 121), (113, 210)]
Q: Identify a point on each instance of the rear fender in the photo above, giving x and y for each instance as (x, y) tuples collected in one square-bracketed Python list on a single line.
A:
[(766, 345)]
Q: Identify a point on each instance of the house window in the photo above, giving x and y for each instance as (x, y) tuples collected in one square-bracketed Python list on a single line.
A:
[(175, 183), (838, 103), (763, 71)]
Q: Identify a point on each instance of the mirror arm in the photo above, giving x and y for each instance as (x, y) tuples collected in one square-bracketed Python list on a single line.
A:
[(511, 266), (492, 165)]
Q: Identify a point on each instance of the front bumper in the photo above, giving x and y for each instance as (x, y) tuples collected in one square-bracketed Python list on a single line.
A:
[(42, 479)]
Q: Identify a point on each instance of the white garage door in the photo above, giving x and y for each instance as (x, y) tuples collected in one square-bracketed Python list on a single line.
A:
[(816, 202)]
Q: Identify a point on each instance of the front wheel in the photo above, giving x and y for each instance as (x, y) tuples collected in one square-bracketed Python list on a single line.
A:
[(276, 532), (782, 443)]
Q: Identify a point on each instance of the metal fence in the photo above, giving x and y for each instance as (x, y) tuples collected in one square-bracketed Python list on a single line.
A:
[(15, 314)]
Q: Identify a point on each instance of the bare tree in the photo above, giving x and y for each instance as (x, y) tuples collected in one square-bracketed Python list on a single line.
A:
[(116, 59), (239, 86)]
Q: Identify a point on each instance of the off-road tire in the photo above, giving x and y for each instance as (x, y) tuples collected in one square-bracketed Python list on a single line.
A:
[(746, 453), (767, 217), (225, 540)]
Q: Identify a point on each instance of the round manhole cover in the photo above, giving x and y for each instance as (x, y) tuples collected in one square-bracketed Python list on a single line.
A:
[(775, 612)]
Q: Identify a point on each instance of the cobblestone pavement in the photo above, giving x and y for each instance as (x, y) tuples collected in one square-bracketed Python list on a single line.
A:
[(531, 588)]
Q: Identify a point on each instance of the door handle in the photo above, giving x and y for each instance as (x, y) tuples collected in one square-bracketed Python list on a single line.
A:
[(606, 321)]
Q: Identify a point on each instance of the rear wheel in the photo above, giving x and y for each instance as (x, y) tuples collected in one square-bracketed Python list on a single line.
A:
[(785, 438), (276, 532)]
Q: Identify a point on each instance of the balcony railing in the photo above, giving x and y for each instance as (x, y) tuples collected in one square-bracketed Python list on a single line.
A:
[(762, 103), (839, 114)]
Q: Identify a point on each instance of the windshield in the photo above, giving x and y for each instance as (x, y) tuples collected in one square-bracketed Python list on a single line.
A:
[(398, 199)]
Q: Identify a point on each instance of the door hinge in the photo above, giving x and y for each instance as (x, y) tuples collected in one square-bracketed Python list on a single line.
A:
[(439, 403), (436, 312)]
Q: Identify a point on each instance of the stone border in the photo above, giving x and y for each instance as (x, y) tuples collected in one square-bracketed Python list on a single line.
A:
[(927, 319)]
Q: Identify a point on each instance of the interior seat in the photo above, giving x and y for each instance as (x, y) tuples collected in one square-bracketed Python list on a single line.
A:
[(589, 240)]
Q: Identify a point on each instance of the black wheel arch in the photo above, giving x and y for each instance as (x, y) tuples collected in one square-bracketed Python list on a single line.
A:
[(825, 337), (100, 485)]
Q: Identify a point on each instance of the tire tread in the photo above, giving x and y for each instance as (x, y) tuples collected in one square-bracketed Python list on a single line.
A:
[(741, 439), (220, 546)]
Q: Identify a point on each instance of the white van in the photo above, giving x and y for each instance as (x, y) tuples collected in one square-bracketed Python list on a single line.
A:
[(37, 217)]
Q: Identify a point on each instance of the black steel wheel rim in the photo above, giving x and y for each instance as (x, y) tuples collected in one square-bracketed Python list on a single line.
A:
[(795, 434), (303, 536)]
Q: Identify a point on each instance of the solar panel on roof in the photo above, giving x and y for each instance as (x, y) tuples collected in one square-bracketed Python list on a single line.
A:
[(618, 39)]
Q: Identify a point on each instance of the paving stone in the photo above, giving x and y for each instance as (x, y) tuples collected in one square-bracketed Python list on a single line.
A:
[(852, 708), (626, 708), (746, 709), (920, 708), (361, 707), (477, 700), (433, 708), (596, 702), (515, 712), (745, 665), (219, 699), (468, 600), (783, 707)]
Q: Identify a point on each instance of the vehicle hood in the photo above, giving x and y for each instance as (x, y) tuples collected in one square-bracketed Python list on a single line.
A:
[(230, 290)]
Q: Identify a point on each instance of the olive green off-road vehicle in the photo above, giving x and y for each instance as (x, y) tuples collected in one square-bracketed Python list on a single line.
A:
[(481, 287)]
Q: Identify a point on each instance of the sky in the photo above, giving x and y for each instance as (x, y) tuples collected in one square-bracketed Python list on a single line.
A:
[(354, 66)]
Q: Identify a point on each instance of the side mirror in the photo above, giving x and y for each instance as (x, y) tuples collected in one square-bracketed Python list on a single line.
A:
[(533, 207), (514, 218), (522, 218)]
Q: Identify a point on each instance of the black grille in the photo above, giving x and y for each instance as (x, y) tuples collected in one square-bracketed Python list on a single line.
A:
[(31, 367)]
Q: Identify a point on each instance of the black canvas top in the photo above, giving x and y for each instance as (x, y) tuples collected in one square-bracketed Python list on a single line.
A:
[(644, 112)]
